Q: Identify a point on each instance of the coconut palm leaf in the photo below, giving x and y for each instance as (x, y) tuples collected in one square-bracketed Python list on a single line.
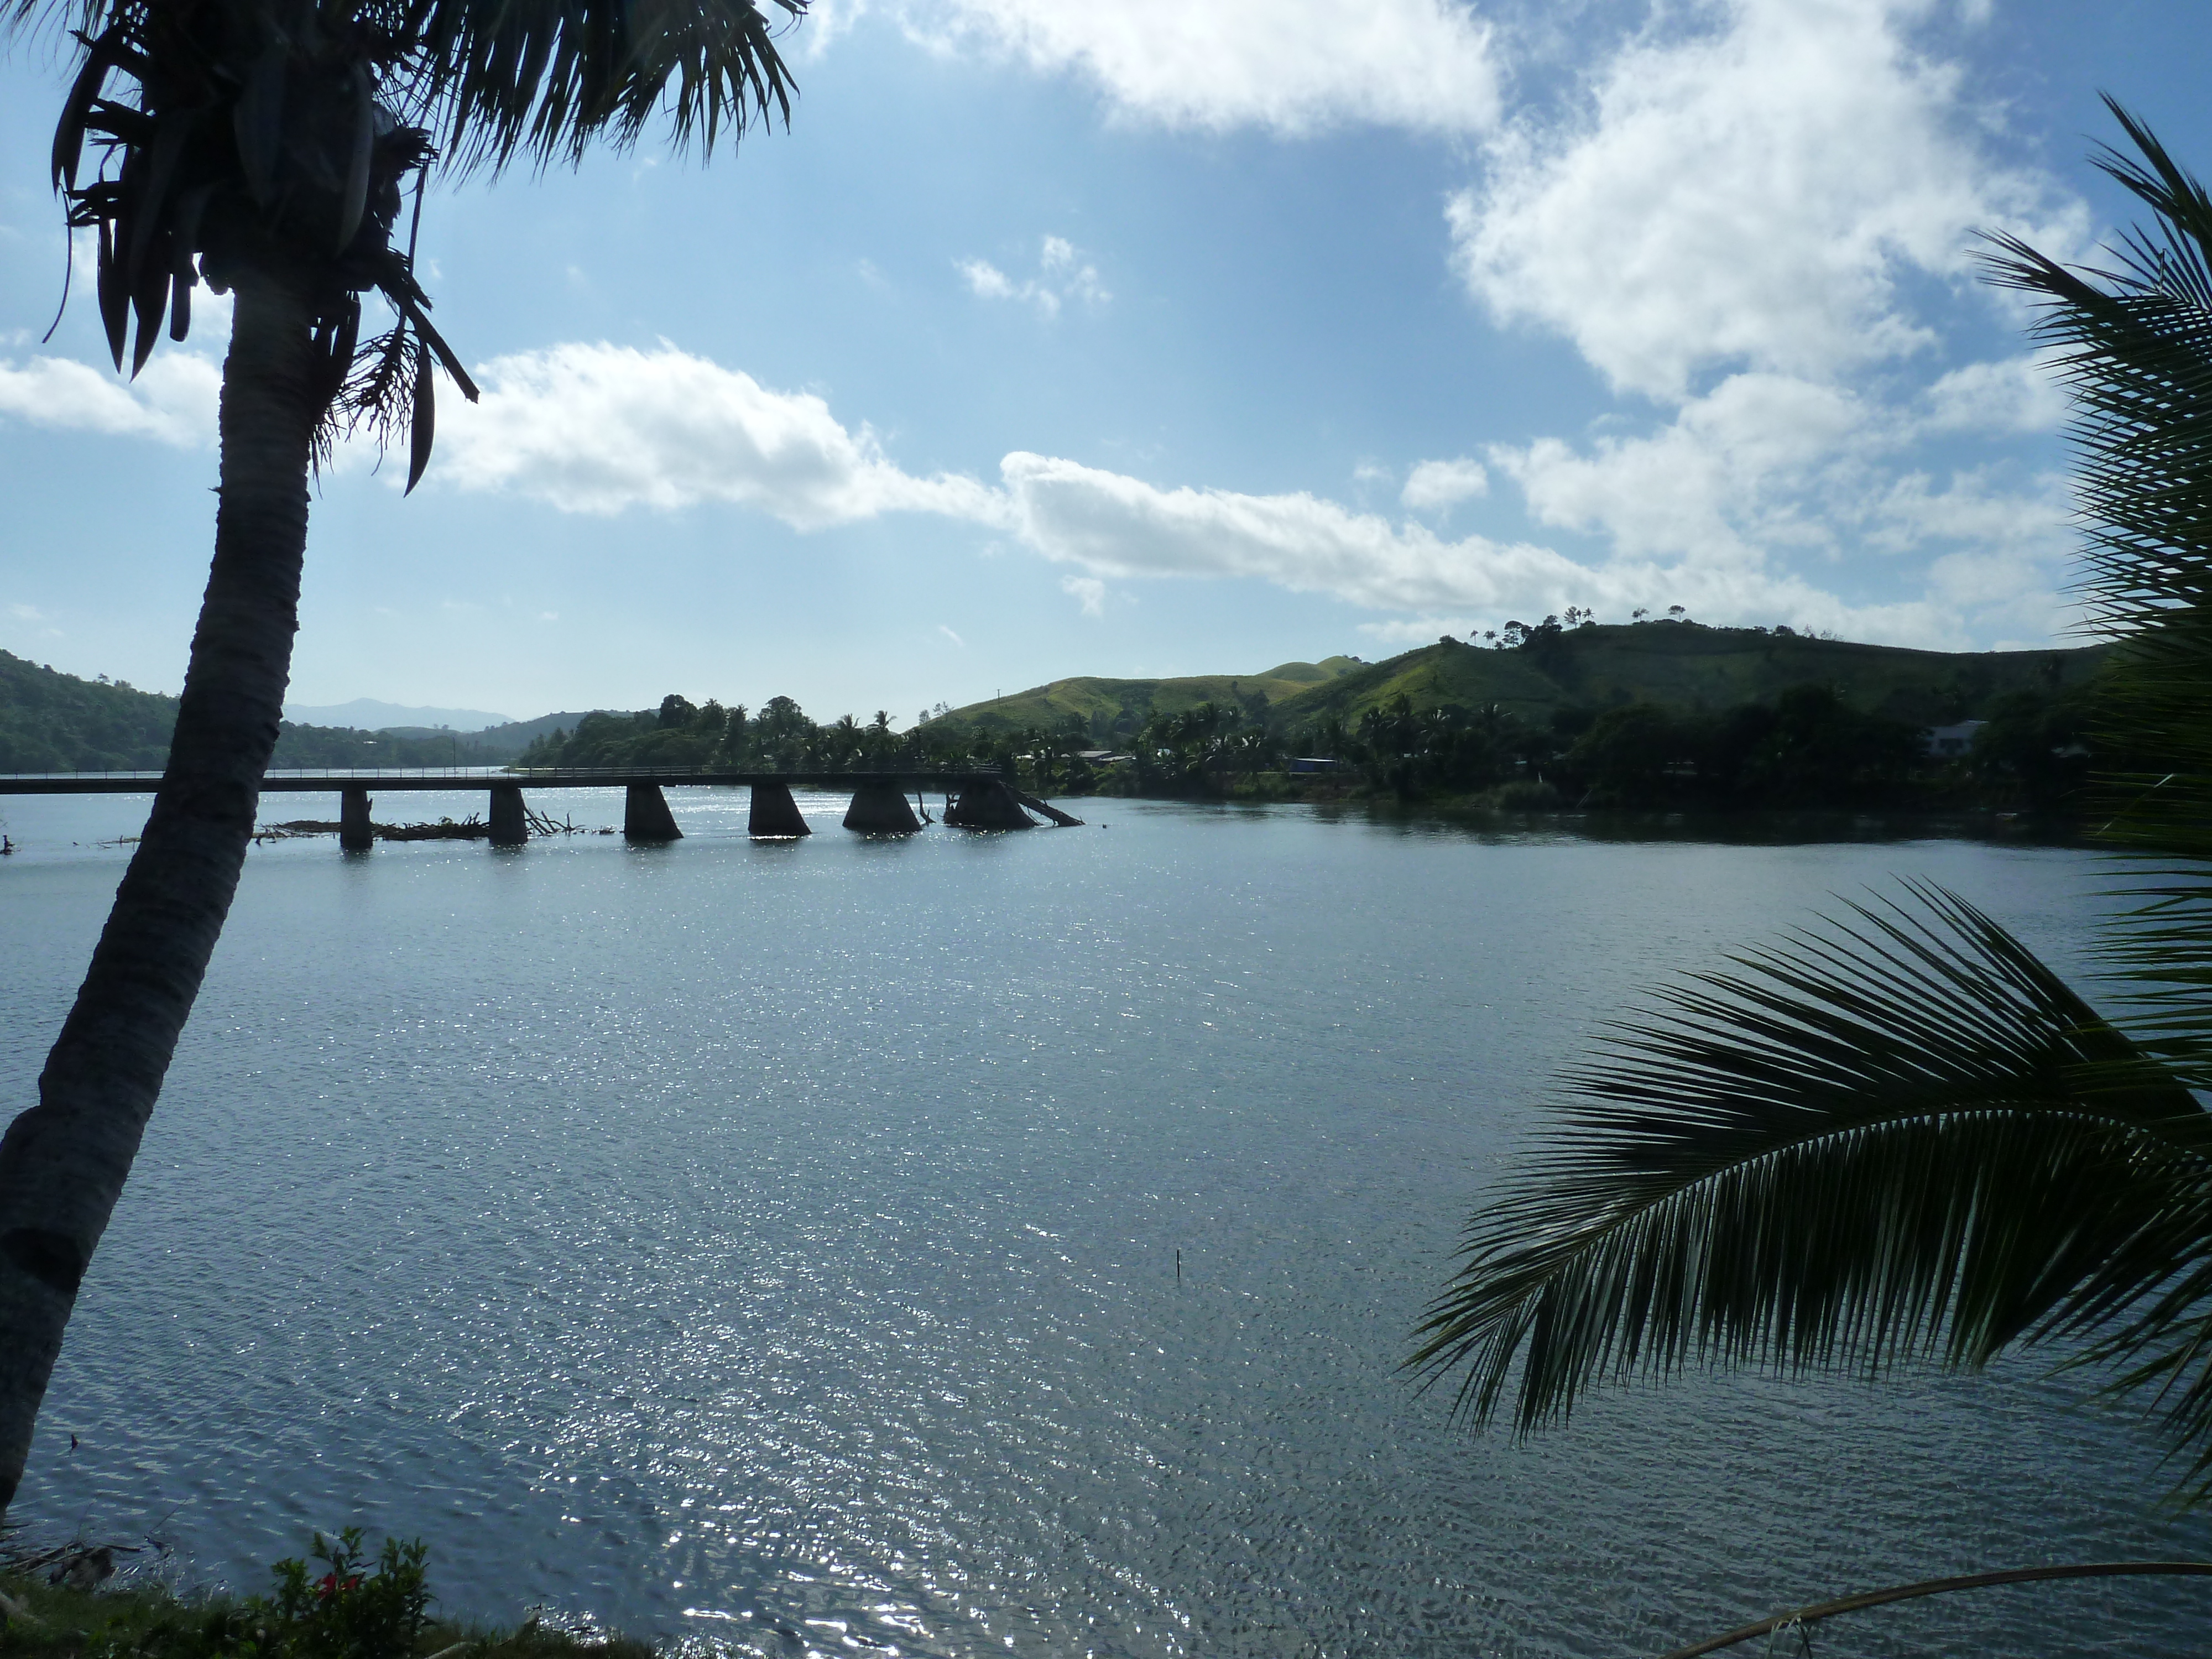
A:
[(1901, 1136), (2132, 344), (228, 135)]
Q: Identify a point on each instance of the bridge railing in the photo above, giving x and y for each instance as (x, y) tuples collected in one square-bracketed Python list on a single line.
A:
[(502, 773)]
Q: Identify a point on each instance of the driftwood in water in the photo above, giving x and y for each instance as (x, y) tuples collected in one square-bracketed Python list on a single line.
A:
[(469, 828), (1061, 819)]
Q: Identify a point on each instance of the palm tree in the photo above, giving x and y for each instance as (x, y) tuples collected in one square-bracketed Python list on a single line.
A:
[(264, 147), (1900, 1134)]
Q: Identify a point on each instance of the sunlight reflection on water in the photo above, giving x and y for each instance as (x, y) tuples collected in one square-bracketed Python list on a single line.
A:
[(772, 1245)]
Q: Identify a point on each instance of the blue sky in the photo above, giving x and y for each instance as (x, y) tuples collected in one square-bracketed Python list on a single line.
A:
[(1167, 336)]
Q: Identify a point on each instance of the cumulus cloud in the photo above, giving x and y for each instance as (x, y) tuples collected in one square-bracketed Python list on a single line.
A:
[(1063, 275), (1432, 486), (1117, 526), (1760, 221), (1689, 509), (2019, 394), (172, 402), (1748, 196), (1291, 66), (1088, 592), (1768, 465), (596, 428)]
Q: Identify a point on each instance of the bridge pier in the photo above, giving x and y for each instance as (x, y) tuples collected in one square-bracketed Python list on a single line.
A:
[(879, 808), (987, 805), (774, 815), (509, 827), (356, 833), (645, 815)]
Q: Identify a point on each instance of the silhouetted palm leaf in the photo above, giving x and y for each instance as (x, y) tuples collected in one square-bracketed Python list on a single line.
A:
[(1904, 1135), (258, 134)]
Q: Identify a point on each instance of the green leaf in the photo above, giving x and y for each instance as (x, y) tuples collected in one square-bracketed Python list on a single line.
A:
[(424, 425), (1901, 1136), (114, 294)]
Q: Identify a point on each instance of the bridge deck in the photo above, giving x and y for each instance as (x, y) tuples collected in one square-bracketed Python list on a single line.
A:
[(396, 779)]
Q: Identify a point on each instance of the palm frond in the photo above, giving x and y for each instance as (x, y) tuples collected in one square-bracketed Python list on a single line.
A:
[(2132, 344), (228, 138), (1902, 1136), (545, 79)]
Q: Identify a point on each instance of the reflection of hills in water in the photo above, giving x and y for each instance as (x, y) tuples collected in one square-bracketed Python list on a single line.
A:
[(772, 1244), (1680, 664)]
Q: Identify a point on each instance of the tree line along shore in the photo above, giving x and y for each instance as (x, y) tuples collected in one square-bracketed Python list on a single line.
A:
[(1667, 714)]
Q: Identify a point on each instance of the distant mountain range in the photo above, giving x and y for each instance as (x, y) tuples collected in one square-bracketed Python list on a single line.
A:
[(368, 714), (1678, 665)]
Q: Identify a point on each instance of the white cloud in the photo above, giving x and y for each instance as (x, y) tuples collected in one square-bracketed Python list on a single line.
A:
[(597, 428), (1403, 633), (1762, 219), (1088, 592), (2019, 394), (1749, 196), (985, 279), (1117, 526), (952, 636), (1063, 275), (1765, 464), (1290, 65), (172, 402), (1732, 477), (1434, 485)]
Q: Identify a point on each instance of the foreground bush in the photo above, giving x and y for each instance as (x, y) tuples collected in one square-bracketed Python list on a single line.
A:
[(350, 1609)]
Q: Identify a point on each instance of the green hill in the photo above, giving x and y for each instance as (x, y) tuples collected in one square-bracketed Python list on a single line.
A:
[(1684, 665), (1114, 709), (55, 722)]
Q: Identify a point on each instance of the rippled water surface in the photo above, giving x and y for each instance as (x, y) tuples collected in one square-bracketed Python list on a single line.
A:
[(775, 1246)]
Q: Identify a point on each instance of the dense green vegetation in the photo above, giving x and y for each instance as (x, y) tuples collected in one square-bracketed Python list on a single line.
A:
[(55, 722), (1657, 714), (1113, 711), (1667, 715), (779, 738), (1535, 671), (61, 1604)]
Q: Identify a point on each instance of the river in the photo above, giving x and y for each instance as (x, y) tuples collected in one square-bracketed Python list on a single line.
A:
[(774, 1247)]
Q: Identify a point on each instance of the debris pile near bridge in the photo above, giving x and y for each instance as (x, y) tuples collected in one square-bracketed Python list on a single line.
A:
[(470, 828)]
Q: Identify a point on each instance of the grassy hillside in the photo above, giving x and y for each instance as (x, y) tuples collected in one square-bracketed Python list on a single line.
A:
[(1112, 709), (1687, 666), (1680, 665)]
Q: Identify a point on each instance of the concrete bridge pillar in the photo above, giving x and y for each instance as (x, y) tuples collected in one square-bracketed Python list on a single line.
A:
[(509, 828), (356, 833), (986, 803), (645, 815), (774, 815), (880, 808)]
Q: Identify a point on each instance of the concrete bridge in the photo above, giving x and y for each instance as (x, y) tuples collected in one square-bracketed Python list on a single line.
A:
[(974, 799)]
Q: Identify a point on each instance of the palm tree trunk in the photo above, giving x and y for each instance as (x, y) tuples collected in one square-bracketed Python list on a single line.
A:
[(64, 1162)]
